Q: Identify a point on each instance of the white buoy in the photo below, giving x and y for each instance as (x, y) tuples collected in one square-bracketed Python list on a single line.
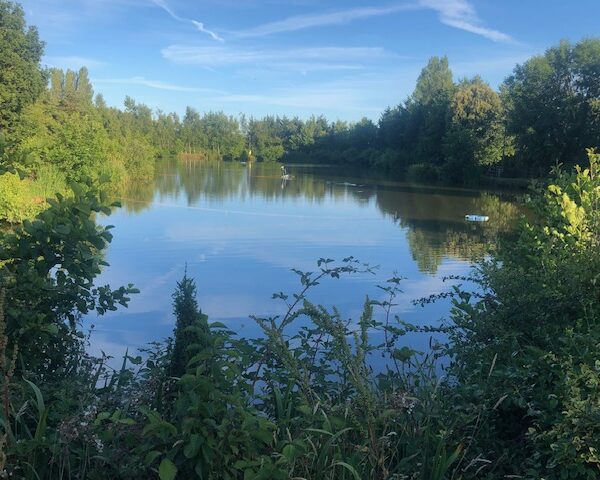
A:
[(476, 218)]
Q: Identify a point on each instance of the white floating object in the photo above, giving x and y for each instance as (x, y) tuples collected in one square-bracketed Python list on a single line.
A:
[(476, 218), (284, 174)]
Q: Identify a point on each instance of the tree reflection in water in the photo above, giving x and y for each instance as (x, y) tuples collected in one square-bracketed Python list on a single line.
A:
[(433, 217)]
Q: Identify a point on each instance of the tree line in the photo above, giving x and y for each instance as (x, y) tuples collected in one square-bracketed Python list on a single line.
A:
[(545, 113), (54, 130)]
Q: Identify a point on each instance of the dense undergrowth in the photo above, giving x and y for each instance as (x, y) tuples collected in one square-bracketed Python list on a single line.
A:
[(519, 397)]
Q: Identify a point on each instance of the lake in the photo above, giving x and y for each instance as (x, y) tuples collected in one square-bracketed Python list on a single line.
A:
[(240, 229)]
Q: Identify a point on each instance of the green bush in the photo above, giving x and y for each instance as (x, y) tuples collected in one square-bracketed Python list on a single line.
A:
[(17, 199), (529, 350)]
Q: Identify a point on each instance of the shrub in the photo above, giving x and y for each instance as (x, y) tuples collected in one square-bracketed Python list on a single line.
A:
[(538, 324), (17, 201)]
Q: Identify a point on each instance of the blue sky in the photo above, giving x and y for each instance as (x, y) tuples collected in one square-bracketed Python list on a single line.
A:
[(342, 59)]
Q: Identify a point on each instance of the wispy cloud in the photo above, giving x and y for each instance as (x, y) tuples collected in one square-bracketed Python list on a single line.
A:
[(454, 13), (301, 22), (462, 15), (72, 62), (298, 59), (199, 25), (156, 84)]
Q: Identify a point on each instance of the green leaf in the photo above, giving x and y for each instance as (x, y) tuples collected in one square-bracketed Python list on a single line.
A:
[(39, 398), (193, 446), (167, 470), (126, 421), (289, 452), (348, 467), (103, 416), (52, 329), (151, 457), (403, 354)]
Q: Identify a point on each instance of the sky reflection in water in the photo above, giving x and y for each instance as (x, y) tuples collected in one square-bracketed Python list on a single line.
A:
[(240, 230)]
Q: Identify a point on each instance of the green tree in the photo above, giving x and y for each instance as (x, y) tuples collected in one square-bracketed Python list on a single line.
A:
[(75, 143), (266, 144), (84, 91), (430, 106), (21, 79), (189, 318), (70, 90), (476, 136), (168, 133), (551, 103), (99, 102), (222, 135), (69, 95), (57, 86), (139, 116), (190, 130), (363, 134), (415, 129), (435, 84)]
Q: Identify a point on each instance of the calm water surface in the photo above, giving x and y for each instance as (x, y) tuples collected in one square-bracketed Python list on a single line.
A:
[(239, 230)]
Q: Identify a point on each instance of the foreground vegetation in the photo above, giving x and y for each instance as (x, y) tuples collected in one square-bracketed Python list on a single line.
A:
[(518, 397)]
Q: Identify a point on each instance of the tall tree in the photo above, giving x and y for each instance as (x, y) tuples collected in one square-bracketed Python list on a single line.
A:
[(69, 90), (21, 79), (57, 85), (476, 135), (84, 90), (435, 83), (187, 317), (99, 102), (190, 129), (429, 107), (552, 103), (264, 140)]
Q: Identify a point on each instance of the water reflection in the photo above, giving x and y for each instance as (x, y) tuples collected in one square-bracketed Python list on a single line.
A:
[(433, 217), (238, 229), (435, 223)]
